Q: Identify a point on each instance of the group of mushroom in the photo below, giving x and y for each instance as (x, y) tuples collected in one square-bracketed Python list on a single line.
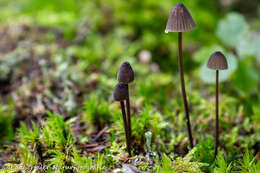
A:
[(125, 75), (179, 21)]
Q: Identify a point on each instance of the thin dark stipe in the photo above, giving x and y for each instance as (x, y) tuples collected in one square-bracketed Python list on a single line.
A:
[(217, 124), (125, 126), (128, 113), (186, 107), (217, 61)]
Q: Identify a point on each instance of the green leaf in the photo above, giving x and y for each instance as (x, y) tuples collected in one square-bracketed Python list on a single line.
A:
[(245, 78), (248, 46), (232, 29)]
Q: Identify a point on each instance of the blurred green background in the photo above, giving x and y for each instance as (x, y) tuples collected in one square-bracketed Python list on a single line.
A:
[(119, 29), (109, 31)]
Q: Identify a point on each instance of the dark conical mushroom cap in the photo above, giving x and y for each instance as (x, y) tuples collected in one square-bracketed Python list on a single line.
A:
[(217, 61), (120, 92), (125, 73), (180, 20)]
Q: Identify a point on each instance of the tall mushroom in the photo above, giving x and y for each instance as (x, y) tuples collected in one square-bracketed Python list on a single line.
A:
[(180, 21), (217, 61), (126, 76), (120, 94)]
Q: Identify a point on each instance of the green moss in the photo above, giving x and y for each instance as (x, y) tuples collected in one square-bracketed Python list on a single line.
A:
[(6, 123)]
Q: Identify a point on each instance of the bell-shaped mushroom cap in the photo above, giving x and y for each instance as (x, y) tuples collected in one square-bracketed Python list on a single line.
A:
[(217, 61), (180, 20), (120, 92), (125, 73)]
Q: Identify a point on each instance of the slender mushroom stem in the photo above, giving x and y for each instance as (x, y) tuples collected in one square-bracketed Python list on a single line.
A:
[(217, 124), (125, 126), (183, 90), (128, 113)]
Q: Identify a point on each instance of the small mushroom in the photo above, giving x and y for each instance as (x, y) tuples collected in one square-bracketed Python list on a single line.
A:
[(126, 76), (217, 61), (180, 21), (120, 94), (125, 73)]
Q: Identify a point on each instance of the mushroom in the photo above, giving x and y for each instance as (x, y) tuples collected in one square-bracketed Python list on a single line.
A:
[(120, 94), (217, 61), (125, 73), (180, 21), (126, 76)]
